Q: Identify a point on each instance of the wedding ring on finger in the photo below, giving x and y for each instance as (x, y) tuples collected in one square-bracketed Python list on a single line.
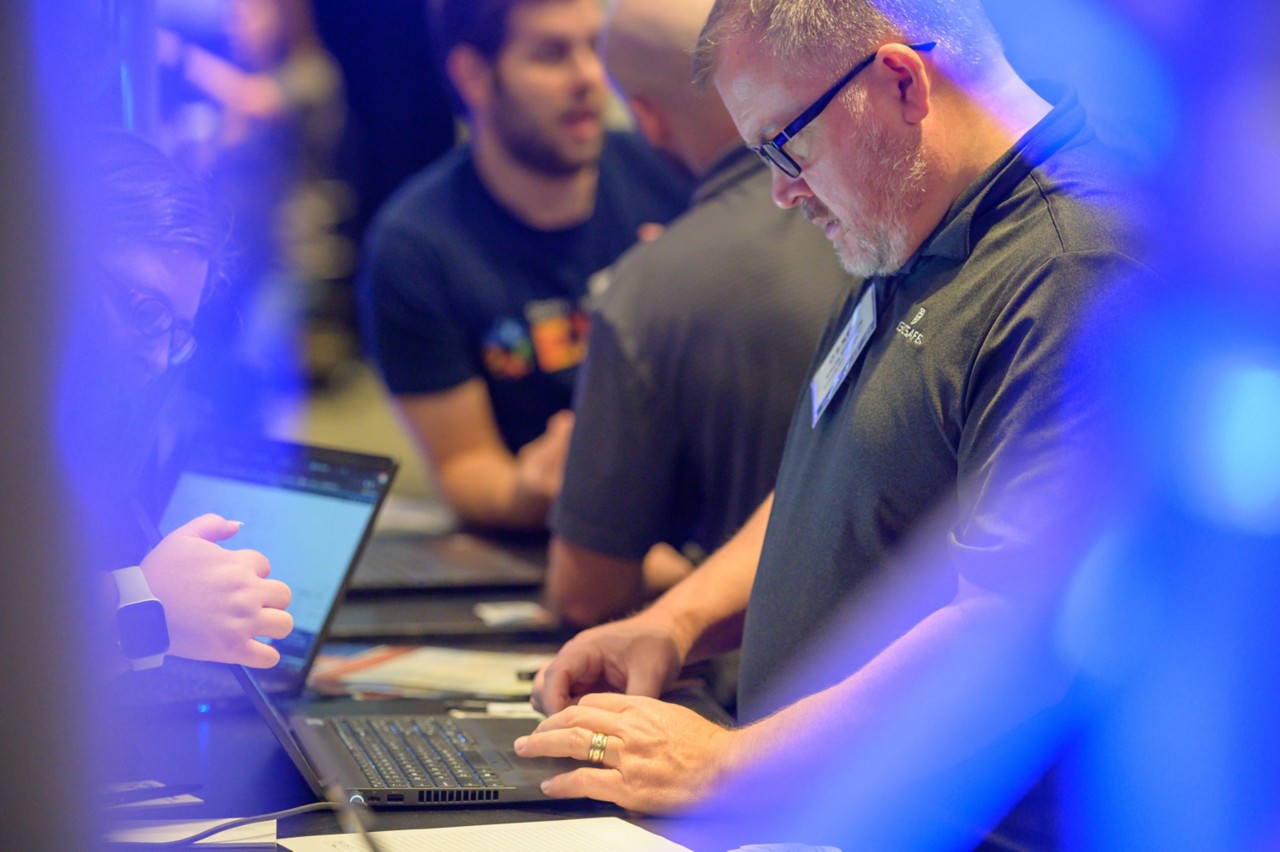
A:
[(599, 741)]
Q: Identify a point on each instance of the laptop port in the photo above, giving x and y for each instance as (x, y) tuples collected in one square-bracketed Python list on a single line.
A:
[(395, 797)]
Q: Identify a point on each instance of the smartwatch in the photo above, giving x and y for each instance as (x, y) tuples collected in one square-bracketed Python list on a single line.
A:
[(140, 622)]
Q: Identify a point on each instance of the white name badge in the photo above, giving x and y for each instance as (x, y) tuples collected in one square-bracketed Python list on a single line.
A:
[(835, 367)]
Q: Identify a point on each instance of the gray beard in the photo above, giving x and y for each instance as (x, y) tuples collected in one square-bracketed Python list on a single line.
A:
[(877, 243)]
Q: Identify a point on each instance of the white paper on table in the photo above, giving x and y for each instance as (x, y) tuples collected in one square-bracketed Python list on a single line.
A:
[(164, 830), (437, 669), (162, 802), (599, 834)]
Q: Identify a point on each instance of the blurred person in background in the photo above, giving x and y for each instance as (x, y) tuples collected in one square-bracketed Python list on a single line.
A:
[(698, 346), (270, 146), (476, 271), (156, 242)]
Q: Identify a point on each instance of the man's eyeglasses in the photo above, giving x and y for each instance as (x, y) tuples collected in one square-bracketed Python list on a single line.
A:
[(771, 150), (150, 317)]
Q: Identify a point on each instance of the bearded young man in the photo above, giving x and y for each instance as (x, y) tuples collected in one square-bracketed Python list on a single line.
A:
[(477, 268), (950, 425)]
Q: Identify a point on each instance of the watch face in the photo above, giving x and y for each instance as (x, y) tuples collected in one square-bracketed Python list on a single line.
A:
[(143, 631)]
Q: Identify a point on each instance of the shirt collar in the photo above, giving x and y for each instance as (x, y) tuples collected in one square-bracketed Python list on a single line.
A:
[(955, 235)]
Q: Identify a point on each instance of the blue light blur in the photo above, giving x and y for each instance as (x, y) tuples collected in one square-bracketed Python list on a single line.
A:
[(1171, 620), (1092, 47), (1233, 444)]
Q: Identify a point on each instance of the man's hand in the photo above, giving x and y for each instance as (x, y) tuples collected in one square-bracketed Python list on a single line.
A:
[(217, 600), (540, 463), (664, 566), (658, 758), (634, 656), (650, 231)]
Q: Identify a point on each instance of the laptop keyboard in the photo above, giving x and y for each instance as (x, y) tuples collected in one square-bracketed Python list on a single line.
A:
[(448, 563), (389, 565), (419, 752)]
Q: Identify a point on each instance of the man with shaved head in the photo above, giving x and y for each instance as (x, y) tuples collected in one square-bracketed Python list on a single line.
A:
[(948, 436), (697, 350)]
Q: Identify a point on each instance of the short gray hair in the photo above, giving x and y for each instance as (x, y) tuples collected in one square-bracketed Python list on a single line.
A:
[(828, 35)]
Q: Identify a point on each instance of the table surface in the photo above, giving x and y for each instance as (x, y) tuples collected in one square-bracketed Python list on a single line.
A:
[(241, 770)]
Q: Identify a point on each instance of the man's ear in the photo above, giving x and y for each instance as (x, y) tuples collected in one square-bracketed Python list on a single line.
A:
[(909, 75), (471, 76), (651, 121)]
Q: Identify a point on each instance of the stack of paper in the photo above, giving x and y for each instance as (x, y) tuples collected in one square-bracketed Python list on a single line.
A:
[(429, 672)]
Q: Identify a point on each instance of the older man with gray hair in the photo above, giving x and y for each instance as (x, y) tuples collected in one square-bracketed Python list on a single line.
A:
[(950, 421)]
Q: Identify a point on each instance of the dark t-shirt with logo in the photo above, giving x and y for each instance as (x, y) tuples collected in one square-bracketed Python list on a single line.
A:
[(455, 287)]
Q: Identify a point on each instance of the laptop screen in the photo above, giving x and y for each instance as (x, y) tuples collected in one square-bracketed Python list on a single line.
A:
[(307, 509)]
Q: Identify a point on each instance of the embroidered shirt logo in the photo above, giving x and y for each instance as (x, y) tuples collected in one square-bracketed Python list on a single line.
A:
[(909, 330)]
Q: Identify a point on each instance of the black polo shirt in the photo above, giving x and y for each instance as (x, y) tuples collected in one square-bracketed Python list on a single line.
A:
[(698, 349), (968, 404)]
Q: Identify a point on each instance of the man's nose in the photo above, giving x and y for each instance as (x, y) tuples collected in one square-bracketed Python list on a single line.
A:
[(590, 68), (788, 191)]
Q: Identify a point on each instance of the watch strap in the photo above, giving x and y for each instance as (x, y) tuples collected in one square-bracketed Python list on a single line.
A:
[(132, 586)]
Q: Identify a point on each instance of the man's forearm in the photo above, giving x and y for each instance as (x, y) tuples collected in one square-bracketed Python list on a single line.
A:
[(586, 587), (705, 610), (663, 567), (483, 489), (477, 474)]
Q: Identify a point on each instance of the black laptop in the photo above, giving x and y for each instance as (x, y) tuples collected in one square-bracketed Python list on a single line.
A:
[(310, 511), (386, 757), (451, 559)]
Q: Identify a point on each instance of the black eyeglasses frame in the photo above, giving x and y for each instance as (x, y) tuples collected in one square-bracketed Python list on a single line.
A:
[(151, 317), (771, 149)]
